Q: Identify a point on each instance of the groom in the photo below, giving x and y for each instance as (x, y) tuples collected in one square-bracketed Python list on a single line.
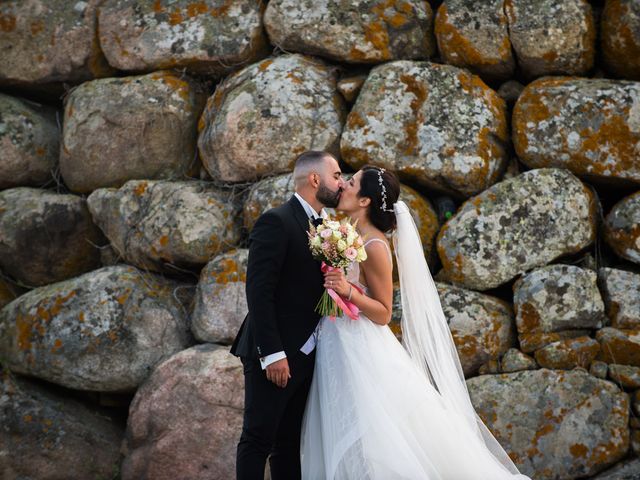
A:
[(277, 338)]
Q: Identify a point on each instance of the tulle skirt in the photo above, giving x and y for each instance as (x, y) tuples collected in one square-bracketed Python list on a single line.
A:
[(371, 414)]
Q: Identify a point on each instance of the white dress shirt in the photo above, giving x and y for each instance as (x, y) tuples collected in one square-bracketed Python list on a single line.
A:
[(310, 344)]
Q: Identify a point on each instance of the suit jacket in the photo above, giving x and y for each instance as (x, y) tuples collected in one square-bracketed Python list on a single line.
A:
[(284, 284)]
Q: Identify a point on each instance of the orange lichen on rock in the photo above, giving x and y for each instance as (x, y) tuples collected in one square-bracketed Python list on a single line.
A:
[(197, 8), (36, 27), (140, 188), (419, 92), (621, 142), (7, 22), (376, 34), (455, 47), (264, 65), (529, 319), (228, 271)]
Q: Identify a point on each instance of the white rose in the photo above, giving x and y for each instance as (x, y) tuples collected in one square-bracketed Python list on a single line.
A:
[(362, 255), (351, 237), (337, 235), (333, 225), (341, 245)]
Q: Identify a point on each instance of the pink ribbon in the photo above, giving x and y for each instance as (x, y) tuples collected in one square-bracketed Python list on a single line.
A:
[(350, 309)]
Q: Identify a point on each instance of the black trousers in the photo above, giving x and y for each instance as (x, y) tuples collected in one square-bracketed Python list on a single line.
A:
[(273, 420)]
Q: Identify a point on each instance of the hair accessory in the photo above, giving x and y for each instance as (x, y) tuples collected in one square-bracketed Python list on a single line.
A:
[(383, 207)]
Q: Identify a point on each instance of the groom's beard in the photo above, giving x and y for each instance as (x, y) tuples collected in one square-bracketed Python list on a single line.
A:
[(327, 197)]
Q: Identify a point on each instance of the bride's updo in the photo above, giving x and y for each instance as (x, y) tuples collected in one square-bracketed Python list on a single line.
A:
[(383, 188)]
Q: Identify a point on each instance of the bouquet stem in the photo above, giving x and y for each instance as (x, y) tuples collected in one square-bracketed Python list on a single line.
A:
[(326, 306)]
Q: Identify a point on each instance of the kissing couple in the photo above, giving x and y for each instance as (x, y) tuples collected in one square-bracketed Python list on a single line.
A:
[(341, 398)]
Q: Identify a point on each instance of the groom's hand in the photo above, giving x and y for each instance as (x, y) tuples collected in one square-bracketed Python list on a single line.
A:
[(278, 372)]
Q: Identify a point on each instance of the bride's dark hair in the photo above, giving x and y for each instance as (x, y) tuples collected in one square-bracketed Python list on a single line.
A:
[(380, 210)]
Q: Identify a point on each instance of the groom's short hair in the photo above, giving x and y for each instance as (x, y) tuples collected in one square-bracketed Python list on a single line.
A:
[(306, 163)]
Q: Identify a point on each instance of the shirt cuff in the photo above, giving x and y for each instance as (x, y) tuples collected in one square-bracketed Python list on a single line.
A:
[(271, 358)]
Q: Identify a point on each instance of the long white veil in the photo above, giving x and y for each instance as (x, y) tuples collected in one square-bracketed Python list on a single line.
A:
[(425, 332)]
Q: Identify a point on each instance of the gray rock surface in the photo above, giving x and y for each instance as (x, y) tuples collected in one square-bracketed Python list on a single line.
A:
[(185, 421), (621, 294), (475, 35), (359, 31), (482, 326), (619, 346), (587, 125), (220, 300), (160, 224), (568, 354), (433, 124), (554, 424), (622, 228), (557, 297), (514, 361), (209, 38), (517, 225), (29, 141), (102, 331), (550, 37), (48, 436), (49, 41), (138, 127), (620, 38), (260, 119), (45, 236)]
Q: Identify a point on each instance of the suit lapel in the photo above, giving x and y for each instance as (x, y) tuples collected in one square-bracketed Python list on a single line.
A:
[(299, 214)]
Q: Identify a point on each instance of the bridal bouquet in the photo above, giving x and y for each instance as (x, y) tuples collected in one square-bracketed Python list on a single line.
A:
[(336, 245)]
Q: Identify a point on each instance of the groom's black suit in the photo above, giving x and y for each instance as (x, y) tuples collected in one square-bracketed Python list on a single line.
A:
[(284, 283)]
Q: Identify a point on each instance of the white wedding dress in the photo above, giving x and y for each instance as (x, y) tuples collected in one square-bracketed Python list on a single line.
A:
[(373, 414)]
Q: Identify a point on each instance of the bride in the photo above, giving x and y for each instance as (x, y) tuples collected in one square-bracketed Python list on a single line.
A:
[(378, 409)]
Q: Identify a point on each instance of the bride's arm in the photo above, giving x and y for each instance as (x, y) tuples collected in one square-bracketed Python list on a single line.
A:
[(377, 272)]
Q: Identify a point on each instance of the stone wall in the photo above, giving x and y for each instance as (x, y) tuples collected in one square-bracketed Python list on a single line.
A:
[(141, 139)]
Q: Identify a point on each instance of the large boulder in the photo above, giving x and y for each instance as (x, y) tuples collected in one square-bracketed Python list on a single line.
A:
[(48, 436), (261, 118), (160, 224), (118, 129), (209, 38), (46, 236), (622, 228), (518, 224), (221, 300), (554, 424), (49, 41), (29, 141), (621, 293), (482, 326), (102, 331), (433, 124), (551, 37), (558, 297), (361, 31), (475, 35), (586, 125), (620, 38), (185, 421)]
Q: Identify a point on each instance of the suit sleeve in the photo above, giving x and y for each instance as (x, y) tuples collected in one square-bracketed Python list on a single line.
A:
[(267, 250)]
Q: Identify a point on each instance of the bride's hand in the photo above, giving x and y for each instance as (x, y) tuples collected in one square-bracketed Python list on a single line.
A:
[(336, 281)]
